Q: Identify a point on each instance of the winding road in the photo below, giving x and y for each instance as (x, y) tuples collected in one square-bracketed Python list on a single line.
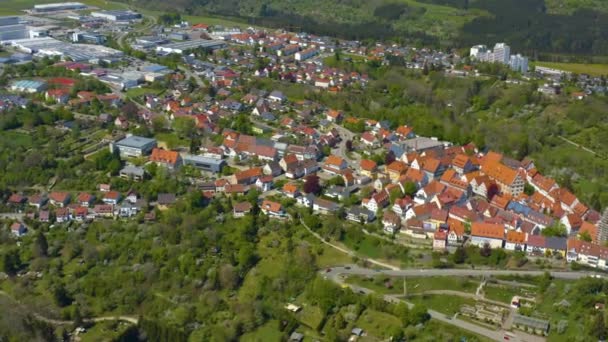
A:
[(497, 335), (335, 274)]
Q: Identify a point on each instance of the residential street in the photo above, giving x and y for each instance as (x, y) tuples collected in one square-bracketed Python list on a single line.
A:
[(342, 151)]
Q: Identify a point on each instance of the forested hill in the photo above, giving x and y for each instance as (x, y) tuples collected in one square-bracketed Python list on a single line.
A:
[(530, 26)]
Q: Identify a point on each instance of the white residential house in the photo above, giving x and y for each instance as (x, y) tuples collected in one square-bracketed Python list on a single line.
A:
[(306, 201)]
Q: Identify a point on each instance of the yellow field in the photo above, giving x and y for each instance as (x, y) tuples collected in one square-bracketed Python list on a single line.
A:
[(578, 68)]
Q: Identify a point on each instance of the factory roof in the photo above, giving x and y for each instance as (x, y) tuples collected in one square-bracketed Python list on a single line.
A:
[(202, 159), (191, 44), (135, 141), (27, 84)]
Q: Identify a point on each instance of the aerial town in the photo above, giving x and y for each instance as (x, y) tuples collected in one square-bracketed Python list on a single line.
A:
[(191, 101)]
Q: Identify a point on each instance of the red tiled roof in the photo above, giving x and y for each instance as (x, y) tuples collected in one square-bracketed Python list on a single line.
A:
[(368, 165), (242, 207), (456, 226), (516, 237), (59, 196), (489, 230), (397, 166), (590, 228), (271, 206), (334, 160), (253, 172), (164, 156), (114, 195)]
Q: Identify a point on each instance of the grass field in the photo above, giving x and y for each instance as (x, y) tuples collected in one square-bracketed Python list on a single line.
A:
[(445, 304), (267, 332), (438, 19), (140, 91), (332, 257), (12, 139), (418, 285), (310, 316), (376, 323), (193, 19), (578, 68), (104, 331), (170, 140), (503, 293)]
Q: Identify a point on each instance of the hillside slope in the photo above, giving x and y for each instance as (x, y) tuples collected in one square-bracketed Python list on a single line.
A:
[(531, 26)]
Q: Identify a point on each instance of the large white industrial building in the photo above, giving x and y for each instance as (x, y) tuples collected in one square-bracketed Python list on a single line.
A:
[(48, 46), (59, 6), (181, 47), (116, 15)]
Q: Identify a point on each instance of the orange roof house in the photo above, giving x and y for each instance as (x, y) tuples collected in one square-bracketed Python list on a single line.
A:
[(248, 176), (589, 228), (271, 208), (396, 169), (483, 233), (368, 167), (334, 164), (404, 131), (490, 230), (509, 180), (290, 189), (516, 237), (170, 159)]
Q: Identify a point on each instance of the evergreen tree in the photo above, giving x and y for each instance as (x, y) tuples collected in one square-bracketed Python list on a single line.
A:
[(40, 245)]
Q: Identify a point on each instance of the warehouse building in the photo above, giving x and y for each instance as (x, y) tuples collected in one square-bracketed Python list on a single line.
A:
[(59, 6), (88, 38), (204, 163), (181, 47), (116, 15), (48, 46), (11, 29), (28, 86), (125, 80), (133, 146)]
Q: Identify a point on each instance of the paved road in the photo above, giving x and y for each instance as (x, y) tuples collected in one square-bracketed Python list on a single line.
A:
[(128, 319), (189, 74), (356, 270), (121, 37), (342, 151)]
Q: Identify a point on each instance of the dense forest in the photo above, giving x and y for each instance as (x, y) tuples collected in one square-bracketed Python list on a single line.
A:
[(528, 25)]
